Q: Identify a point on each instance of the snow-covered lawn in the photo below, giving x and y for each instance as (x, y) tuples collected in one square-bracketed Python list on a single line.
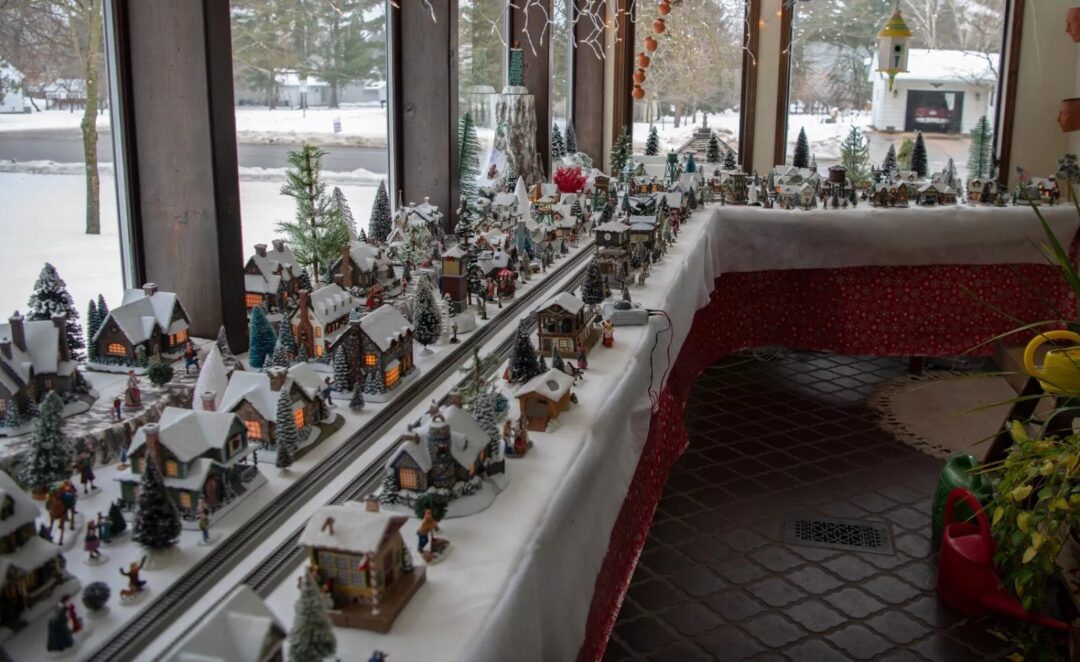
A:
[(43, 219)]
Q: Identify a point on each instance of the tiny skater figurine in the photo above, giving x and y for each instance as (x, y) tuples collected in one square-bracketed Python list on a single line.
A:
[(132, 394), (135, 585), (607, 331), (453, 331), (74, 622), (104, 529), (425, 532), (204, 524), (328, 391), (582, 359), (191, 357), (84, 465), (92, 542)]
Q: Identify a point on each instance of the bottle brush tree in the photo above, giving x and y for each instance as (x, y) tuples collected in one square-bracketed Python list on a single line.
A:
[(558, 149), (855, 156), (318, 231), (468, 158), (342, 374), (379, 224), (730, 160), (311, 638), (981, 150), (262, 338), (801, 158), (51, 297), (285, 434), (426, 319), (374, 382), (712, 153), (918, 156), (523, 362), (340, 206), (652, 144), (157, 521), (592, 287), (903, 156), (50, 455), (570, 137), (93, 323), (889, 165)]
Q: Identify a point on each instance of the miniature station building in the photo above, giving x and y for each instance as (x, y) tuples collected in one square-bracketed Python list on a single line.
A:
[(271, 277), (453, 281), (356, 551), (562, 322), (544, 397), (199, 454), (362, 265), (612, 246), (321, 317), (253, 396), (34, 359), (31, 567), (241, 628), (147, 320)]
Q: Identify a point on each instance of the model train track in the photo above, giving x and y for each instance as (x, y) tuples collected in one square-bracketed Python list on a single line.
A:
[(144, 627)]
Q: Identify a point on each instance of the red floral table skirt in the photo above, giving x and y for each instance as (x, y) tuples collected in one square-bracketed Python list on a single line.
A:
[(890, 311)]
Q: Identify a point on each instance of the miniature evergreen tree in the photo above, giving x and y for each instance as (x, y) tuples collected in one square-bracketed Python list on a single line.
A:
[(558, 149), (285, 336), (468, 157), (340, 206), (12, 420), (388, 493), (342, 376), (117, 523), (570, 137), (556, 359), (620, 153), (543, 364), (691, 166), (855, 156), (426, 319), (730, 160), (261, 344), (484, 413), (50, 456), (523, 363), (157, 521), (59, 633), (950, 174), (592, 287), (93, 323), (280, 358), (980, 152), (801, 159), (50, 298), (374, 382), (575, 209), (304, 281), (356, 402), (317, 233), (903, 157), (889, 166), (302, 355), (918, 156), (311, 638), (712, 153), (652, 145), (285, 434)]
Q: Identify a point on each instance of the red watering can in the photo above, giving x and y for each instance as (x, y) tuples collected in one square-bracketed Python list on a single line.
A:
[(966, 579)]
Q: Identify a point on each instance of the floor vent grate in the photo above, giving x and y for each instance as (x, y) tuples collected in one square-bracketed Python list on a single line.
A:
[(833, 533)]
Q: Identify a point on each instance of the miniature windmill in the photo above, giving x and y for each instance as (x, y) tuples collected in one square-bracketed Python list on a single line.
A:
[(892, 47)]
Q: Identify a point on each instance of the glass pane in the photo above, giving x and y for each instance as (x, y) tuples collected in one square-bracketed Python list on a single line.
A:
[(694, 80), (481, 54), (59, 190), (561, 62), (951, 82), (308, 73)]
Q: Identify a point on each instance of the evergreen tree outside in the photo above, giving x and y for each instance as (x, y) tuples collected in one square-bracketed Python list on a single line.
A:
[(374, 383), (426, 319), (468, 157), (801, 159), (889, 165), (523, 363), (285, 434), (712, 154), (558, 149), (93, 323), (730, 162), (342, 375), (903, 157), (855, 156), (261, 337), (318, 231), (50, 297), (157, 521), (980, 152), (570, 137), (50, 456), (652, 145), (592, 287), (340, 206), (311, 638), (918, 156)]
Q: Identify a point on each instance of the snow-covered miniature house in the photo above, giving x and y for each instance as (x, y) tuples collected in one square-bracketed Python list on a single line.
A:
[(544, 397), (452, 282), (241, 628), (321, 317), (146, 324), (562, 322), (448, 453), (504, 209), (253, 396), (199, 454), (31, 567), (612, 246), (34, 359), (381, 342), (358, 552), (362, 265), (271, 277), (643, 230)]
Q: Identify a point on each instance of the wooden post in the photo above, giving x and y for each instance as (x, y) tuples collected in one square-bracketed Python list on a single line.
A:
[(588, 96)]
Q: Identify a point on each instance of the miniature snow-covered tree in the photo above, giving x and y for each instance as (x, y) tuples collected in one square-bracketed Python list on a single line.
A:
[(280, 358), (374, 383), (285, 431), (468, 158), (712, 152), (484, 413), (93, 323), (652, 144), (380, 225), (620, 153), (318, 231), (342, 377), (356, 402), (592, 287), (157, 521), (730, 161), (951, 178), (918, 156), (262, 338), (523, 363), (855, 156), (980, 152), (59, 633), (12, 420), (213, 378), (311, 638), (558, 148), (50, 297), (543, 364), (889, 165), (801, 158), (426, 320), (570, 137), (340, 206), (50, 456), (556, 359), (117, 523)]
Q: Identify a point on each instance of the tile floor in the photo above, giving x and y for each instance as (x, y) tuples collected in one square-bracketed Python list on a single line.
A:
[(772, 434)]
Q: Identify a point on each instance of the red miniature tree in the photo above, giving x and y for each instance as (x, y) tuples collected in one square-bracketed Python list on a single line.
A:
[(569, 180)]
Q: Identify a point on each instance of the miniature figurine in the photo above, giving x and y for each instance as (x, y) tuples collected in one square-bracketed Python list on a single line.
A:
[(132, 394), (522, 444), (582, 358), (84, 465), (74, 622), (92, 542), (60, 505), (104, 529), (378, 656), (425, 532), (191, 358), (436, 547), (116, 409), (453, 330), (328, 391), (508, 437), (204, 524), (607, 333), (59, 637), (135, 585)]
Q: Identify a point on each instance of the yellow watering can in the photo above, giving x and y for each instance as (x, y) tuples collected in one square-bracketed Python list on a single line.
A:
[(1060, 370)]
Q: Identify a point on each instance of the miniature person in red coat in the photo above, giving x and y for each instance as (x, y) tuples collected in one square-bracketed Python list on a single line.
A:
[(607, 331), (74, 622)]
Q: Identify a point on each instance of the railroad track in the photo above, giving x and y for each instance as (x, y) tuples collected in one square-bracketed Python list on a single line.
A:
[(136, 635)]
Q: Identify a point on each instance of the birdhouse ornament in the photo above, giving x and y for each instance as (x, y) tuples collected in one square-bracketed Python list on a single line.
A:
[(893, 48)]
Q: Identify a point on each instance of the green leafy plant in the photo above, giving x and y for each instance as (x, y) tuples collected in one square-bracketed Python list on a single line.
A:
[(438, 503), (160, 373)]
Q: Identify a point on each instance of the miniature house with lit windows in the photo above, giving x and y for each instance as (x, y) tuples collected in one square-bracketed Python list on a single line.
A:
[(148, 323), (356, 551), (321, 317), (381, 340), (362, 265), (201, 455), (612, 246), (271, 277), (34, 359), (562, 322), (253, 396), (445, 454)]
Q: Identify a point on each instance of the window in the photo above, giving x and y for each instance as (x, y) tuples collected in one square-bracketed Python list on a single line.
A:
[(392, 375), (298, 418), (953, 60), (693, 83), (254, 429), (481, 61), (319, 349), (234, 444), (172, 469), (370, 359), (178, 338), (408, 478), (252, 300), (318, 332), (562, 54), (3, 406), (117, 349), (185, 500)]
